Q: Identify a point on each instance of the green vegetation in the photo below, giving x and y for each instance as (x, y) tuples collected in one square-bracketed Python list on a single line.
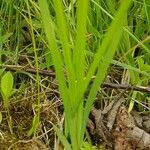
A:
[(6, 92), (78, 40), (72, 92)]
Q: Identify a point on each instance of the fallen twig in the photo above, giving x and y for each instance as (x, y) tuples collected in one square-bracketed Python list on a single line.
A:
[(127, 87), (29, 70), (52, 74)]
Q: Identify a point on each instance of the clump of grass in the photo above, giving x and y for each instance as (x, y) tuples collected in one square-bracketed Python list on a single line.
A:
[(75, 80), (80, 48)]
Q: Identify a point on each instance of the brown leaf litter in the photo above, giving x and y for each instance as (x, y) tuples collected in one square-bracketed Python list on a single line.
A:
[(119, 129)]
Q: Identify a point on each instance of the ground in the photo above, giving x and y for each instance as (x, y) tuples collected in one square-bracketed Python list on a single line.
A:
[(110, 125)]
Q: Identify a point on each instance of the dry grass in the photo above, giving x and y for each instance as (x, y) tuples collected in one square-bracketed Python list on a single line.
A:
[(22, 109)]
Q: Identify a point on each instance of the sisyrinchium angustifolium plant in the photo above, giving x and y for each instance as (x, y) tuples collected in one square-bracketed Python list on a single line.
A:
[(69, 59), (21, 34)]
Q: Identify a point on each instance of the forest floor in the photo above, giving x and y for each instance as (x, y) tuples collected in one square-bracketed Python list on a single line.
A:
[(110, 126)]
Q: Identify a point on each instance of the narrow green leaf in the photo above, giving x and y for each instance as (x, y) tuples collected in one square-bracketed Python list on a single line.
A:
[(131, 105), (104, 56), (125, 29), (1, 71), (88, 146), (56, 56), (48, 25), (35, 124), (1, 117), (147, 11), (48, 58), (80, 42), (129, 67), (63, 35), (62, 138)]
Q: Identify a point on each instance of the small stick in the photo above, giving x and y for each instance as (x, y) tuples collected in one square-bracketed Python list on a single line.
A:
[(52, 74), (125, 86), (29, 70)]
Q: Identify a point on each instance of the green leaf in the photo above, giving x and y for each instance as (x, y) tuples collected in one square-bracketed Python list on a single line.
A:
[(7, 83), (49, 27), (35, 124), (48, 58), (1, 71), (5, 37), (103, 57), (88, 146), (129, 67), (1, 117), (62, 138)]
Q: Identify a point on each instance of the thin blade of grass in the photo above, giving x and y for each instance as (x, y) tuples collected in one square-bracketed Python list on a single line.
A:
[(147, 11), (37, 117), (104, 56), (87, 80), (62, 138), (125, 29), (80, 42), (129, 67), (63, 35), (79, 59), (50, 34), (56, 56)]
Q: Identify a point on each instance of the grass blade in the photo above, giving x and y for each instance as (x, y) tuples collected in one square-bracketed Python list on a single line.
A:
[(79, 50), (56, 55), (63, 35), (62, 138), (105, 54)]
